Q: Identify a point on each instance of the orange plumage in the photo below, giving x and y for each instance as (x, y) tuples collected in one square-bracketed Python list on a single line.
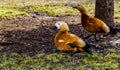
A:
[(92, 24), (63, 38)]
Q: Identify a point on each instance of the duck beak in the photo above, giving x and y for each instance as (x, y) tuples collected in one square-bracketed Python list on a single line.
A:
[(74, 7), (54, 27)]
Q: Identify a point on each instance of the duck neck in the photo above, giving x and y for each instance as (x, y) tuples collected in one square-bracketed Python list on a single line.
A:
[(84, 17)]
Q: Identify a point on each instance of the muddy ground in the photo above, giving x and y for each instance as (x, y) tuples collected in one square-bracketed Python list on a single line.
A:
[(34, 34)]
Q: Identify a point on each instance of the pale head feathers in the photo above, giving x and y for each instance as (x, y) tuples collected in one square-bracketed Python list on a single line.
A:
[(58, 24), (62, 26)]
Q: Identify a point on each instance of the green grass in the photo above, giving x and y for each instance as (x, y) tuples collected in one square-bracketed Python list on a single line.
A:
[(21, 7), (61, 10), (7, 12), (60, 61), (55, 10), (117, 10)]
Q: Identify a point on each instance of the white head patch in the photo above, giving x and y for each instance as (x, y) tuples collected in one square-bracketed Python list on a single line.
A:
[(58, 24)]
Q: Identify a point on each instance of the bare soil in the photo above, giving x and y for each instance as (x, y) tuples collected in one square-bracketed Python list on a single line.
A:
[(34, 34)]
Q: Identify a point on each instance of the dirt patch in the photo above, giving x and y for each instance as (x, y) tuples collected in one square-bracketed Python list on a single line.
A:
[(34, 34)]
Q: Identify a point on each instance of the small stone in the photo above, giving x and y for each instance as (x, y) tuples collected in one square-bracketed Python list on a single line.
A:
[(115, 43)]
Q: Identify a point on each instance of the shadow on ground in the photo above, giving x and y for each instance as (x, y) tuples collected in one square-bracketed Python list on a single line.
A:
[(33, 36)]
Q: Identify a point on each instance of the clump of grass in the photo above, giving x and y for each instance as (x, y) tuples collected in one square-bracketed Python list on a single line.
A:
[(117, 10), (59, 61), (7, 12), (91, 8)]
